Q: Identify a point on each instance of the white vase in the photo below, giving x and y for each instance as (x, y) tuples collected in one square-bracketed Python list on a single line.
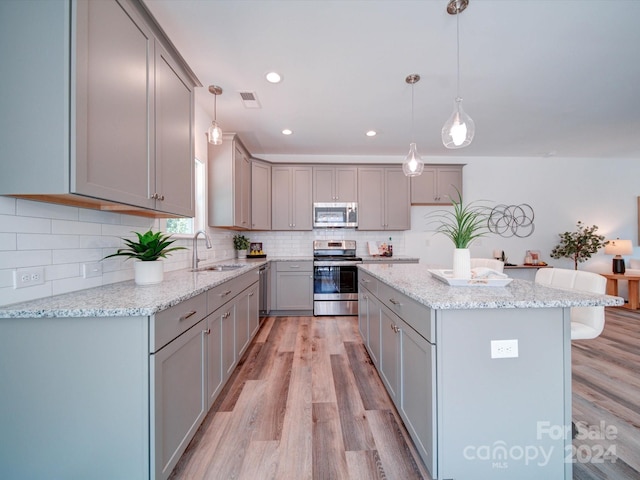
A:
[(241, 253), (462, 263), (148, 273)]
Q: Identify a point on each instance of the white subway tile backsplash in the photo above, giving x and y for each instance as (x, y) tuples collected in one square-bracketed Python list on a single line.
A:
[(76, 255), (24, 258), (75, 228), (34, 241), (98, 216), (8, 241), (28, 208), (74, 284), (11, 295), (67, 270), (16, 224), (6, 279), (7, 205)]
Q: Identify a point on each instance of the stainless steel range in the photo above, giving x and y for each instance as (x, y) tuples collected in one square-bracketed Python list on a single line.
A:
[(335, 277)]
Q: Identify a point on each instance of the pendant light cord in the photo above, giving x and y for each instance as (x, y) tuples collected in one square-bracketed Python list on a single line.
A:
[(458, 49), (215, 107), (413, 133)]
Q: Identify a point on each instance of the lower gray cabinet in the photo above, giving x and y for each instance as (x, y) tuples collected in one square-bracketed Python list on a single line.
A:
[(417, 406), (215, 374), (179, 402), (293, 286), (390, 352)]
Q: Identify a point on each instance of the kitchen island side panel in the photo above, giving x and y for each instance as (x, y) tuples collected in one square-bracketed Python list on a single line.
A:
[(75, 398), (503, 417)]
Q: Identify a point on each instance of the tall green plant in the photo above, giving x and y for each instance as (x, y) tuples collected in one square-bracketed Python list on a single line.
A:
[(579, 245), (464, 224), (149, 247)]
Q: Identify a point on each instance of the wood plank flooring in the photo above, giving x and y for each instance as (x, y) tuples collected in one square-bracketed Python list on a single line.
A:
[(606, 400), (306, 403)]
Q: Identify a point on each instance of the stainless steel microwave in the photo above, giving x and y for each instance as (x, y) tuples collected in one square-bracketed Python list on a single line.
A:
[(335, 215)]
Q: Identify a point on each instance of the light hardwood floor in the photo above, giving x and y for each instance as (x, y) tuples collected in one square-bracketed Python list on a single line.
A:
[(306, 403)]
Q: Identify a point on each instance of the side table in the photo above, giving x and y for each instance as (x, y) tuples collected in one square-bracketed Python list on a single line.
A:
[(634, 284)]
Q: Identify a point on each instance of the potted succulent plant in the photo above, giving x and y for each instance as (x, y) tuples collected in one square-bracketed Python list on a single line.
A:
[(462, 226), (148, 249), (241, 245)]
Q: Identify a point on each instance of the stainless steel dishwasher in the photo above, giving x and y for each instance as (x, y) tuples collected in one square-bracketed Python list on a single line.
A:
[(265, 290)]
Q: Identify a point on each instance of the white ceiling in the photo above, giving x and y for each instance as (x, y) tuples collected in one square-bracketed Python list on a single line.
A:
[(539, 77)]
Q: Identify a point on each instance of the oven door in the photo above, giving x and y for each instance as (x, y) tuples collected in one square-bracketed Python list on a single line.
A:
[(335, 289)]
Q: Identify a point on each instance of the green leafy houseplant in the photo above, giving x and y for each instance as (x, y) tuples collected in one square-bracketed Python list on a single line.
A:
[(240, 242), (579, 245), (464, 224), (149, 247)]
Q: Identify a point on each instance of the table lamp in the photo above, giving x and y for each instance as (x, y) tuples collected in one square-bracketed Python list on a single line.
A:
[(618, 248)]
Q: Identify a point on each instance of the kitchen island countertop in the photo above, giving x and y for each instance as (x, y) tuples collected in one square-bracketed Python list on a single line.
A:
[(415, 281)]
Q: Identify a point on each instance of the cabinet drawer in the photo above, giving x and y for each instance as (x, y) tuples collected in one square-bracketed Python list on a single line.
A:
[(218, 296), (168, 324), (303, 266), (367, 282), (417, 316)]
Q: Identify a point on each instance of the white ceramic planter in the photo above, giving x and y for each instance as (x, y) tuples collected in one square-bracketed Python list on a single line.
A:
[(241, 253), (148, 273), (462, 263)]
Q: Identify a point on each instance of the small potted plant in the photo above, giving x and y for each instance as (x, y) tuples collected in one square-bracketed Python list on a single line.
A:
[(148, 249), (579, 245), (241, 245), (462, 226)]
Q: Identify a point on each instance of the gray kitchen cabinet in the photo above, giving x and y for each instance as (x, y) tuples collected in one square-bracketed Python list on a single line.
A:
[(143, 382), (390, 352), (291, 197), (253, 298), (229, 184), (215, 374), (260, 195), (111, 142), (437, 185), (363, 315), (383, 199), (293, 286), (335, 183), (179, 400)]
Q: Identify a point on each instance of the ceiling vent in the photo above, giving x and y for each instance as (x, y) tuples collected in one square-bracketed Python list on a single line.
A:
[(250, 100)]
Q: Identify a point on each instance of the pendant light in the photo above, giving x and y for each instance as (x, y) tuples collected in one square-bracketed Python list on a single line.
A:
[(215, 132), (459, 129), (413, 164)]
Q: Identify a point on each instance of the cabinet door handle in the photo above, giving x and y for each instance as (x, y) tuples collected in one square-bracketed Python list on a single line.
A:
[(187, 315), (224, 294), (294, 266), (251, 294), (161, 197), (395, 302), (207, 331)]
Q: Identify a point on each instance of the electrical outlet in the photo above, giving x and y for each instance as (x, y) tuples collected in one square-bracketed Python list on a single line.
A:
[(90, 270), (28, 277), (504, 348)]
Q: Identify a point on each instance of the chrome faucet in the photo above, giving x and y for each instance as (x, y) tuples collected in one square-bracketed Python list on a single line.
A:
[(195, 260)]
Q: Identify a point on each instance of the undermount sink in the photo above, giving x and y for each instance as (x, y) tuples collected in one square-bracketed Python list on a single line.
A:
[(217, 268)]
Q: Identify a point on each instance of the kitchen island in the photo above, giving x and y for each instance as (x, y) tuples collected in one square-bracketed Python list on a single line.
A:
[(480, 375)]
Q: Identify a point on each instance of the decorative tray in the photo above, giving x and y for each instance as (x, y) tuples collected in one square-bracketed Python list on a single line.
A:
[(257, 255), (446, 276)]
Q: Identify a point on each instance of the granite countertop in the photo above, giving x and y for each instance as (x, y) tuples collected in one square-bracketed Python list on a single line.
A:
[(415, 281), (394, 259), (124, 299)]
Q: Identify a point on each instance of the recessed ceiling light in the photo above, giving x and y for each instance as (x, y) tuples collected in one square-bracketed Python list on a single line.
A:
[(371, 133), (286, 131), (273, 77)]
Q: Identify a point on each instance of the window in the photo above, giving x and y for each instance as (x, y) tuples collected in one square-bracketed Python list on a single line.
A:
[(188, 226)]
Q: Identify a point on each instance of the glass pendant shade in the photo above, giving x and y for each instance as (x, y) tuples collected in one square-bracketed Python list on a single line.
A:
[(459, 129), (215, 134), (413, 164)]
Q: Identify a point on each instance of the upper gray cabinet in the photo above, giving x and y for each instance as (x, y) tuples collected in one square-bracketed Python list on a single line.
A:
[(229, 184), (383, 199), (111, 126), (291, 197), (260, 195), (335, 183), (436, 185)]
